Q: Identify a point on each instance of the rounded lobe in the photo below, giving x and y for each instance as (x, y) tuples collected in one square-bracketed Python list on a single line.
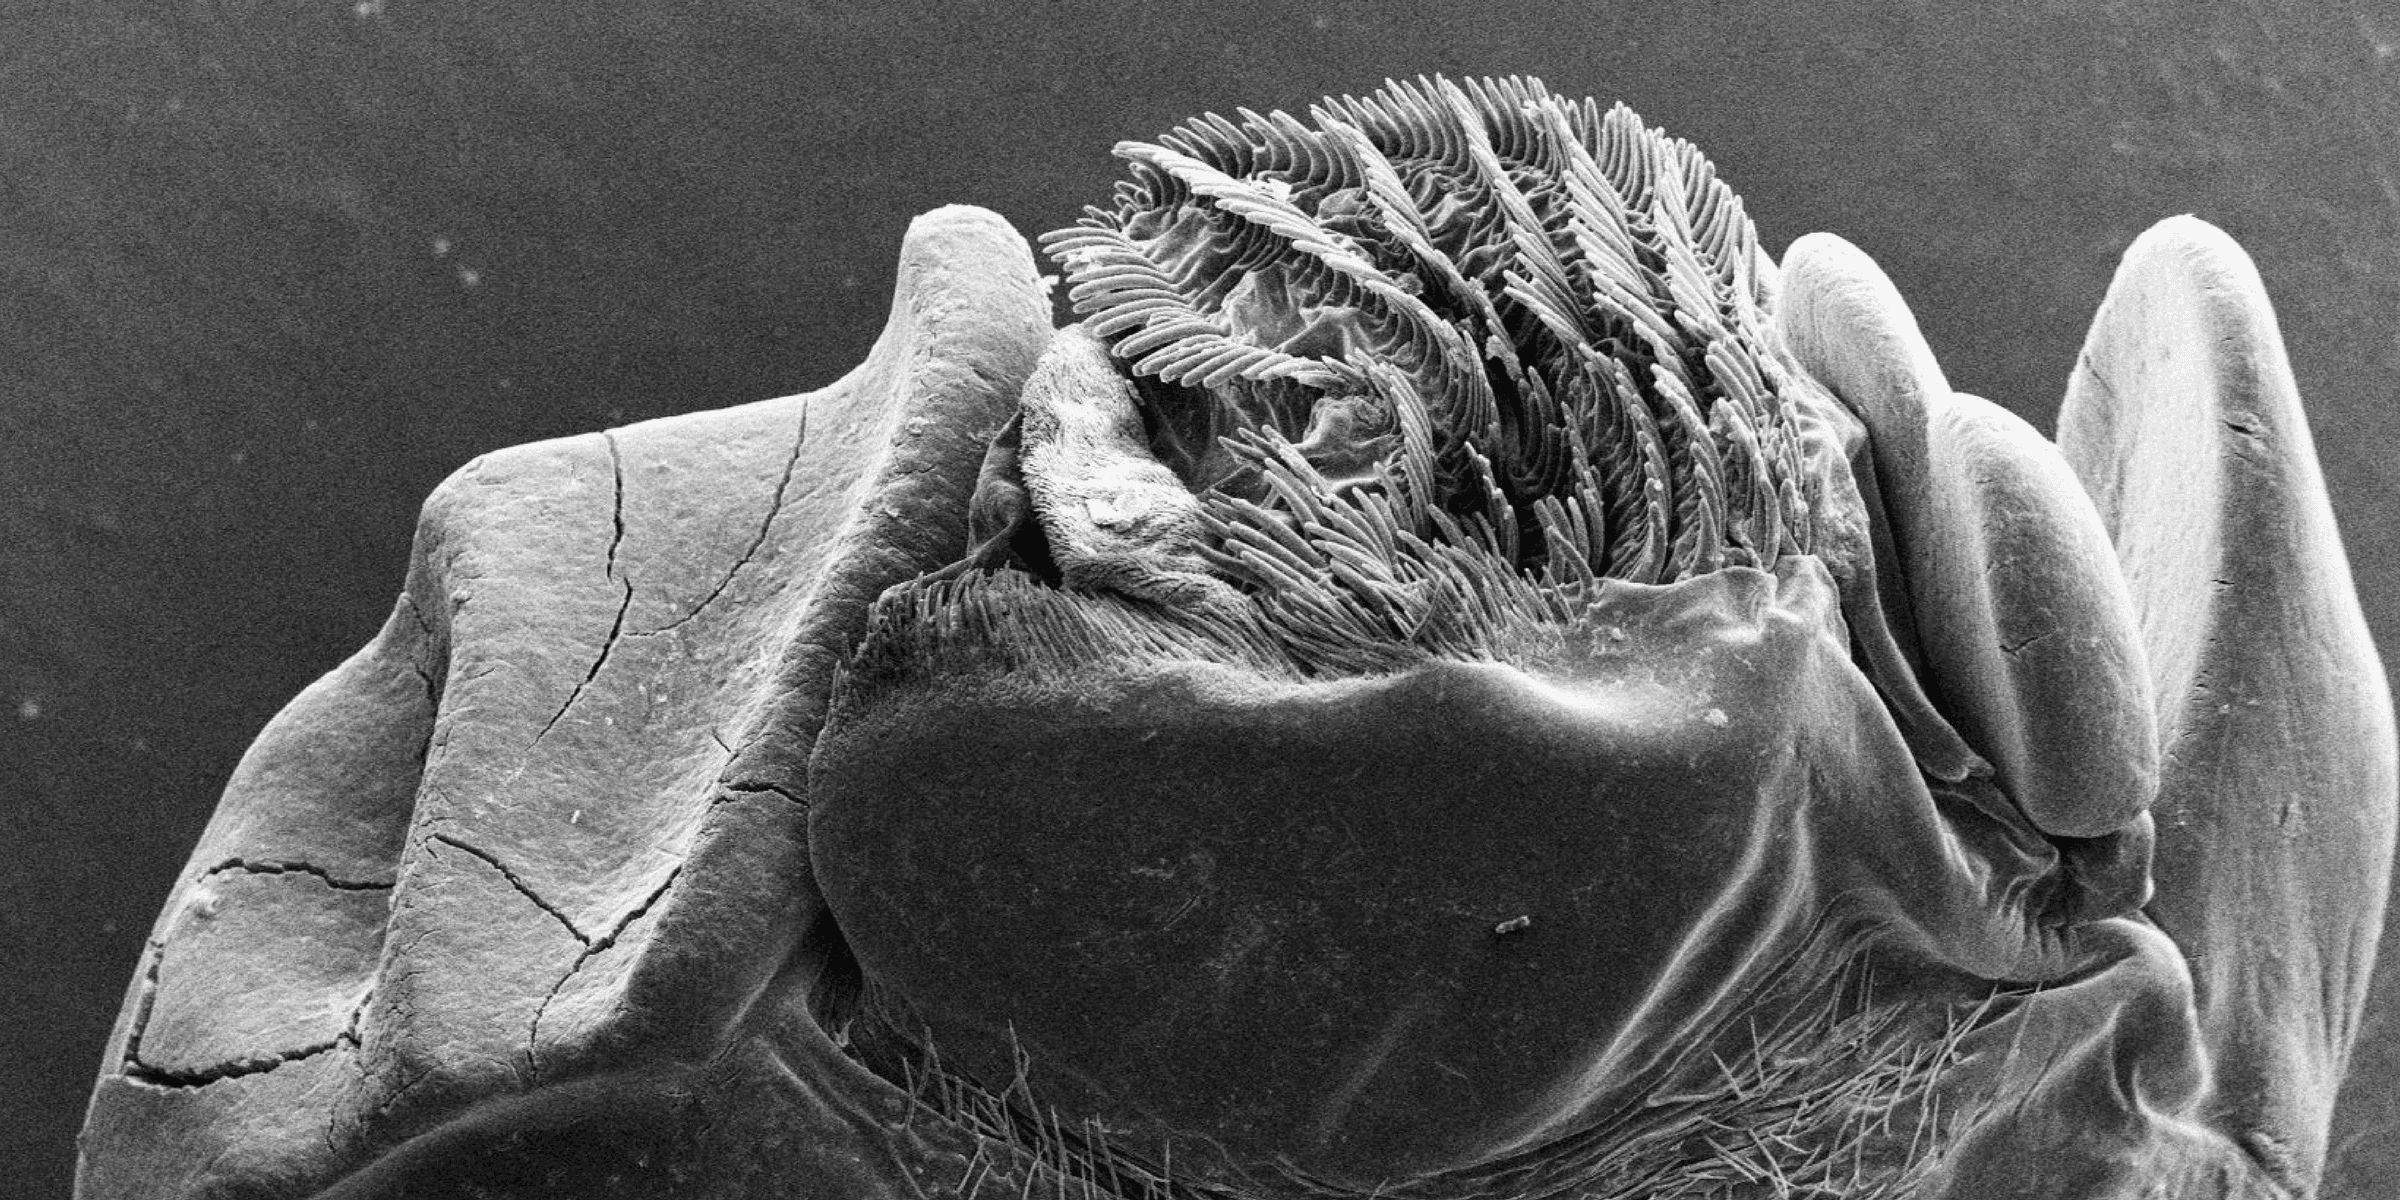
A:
[(2278, 789), (1994, 571), (2028, 629)]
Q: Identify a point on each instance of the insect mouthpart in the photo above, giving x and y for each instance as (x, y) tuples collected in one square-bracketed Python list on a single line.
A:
[(1537, 328)]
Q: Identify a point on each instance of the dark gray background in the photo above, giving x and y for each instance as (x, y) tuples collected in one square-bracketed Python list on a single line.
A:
[(269, 269)]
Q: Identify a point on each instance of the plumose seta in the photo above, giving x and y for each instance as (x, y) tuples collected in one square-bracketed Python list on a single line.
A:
[(1457, 677)]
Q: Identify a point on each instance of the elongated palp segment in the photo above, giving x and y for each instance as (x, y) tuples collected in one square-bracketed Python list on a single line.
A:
[(1533, 329)]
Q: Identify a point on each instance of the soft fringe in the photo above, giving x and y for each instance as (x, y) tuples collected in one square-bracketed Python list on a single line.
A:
[(1840, 1097)]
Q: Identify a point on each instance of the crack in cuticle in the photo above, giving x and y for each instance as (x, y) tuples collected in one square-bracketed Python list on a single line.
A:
[(131, 1066), (591, 949), (616, 474), (141, 1072), (517, 883), (429, 638), (269, 866), (156, 952), (765, 526), (2019, 647), (751, 789), (615, 631), (616, 539)]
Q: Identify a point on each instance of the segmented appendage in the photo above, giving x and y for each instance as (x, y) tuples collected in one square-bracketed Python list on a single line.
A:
[(1530, 326)]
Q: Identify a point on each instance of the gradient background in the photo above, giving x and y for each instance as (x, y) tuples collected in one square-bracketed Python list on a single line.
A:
[(269, 269)]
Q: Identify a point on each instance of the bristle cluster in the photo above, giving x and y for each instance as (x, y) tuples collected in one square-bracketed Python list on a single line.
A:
[(1839, 1097), (1531, 324), (1025, 1149), (1339, 583)]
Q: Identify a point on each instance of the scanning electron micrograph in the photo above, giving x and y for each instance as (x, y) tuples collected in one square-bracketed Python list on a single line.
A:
[(1457, 676)]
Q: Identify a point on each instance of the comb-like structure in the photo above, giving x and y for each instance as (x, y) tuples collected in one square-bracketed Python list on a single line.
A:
[(1524, 324)]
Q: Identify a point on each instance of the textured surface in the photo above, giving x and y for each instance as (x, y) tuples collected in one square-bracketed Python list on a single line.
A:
[(2275, 728), (546, 829), (237, 360)]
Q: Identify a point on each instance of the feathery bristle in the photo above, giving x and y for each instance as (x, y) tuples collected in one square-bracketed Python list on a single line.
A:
[(1565, 300)]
